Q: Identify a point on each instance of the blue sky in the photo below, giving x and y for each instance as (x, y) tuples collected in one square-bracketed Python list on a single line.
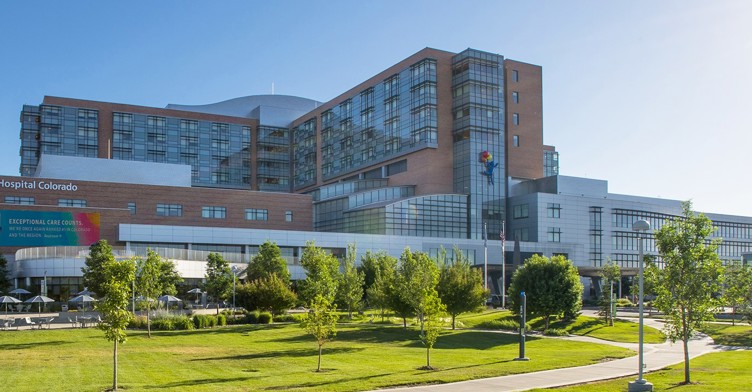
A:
[(653, 96)]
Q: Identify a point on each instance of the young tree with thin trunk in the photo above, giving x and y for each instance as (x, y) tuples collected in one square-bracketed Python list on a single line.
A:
[(219, 278), (690, 276), (322, 274), (154, 276), (383, 268), (321, 322), (737, 287), (610, 273), (433, 312), (416, 276), (100, 252), (351, 281), (116, 291), (460, 286)]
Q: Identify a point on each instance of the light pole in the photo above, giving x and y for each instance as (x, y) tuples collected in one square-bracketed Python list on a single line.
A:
[(485, 257), (503, 268), (640, 384)]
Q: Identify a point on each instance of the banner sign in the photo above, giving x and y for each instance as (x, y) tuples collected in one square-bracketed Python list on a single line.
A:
[(48, 228)]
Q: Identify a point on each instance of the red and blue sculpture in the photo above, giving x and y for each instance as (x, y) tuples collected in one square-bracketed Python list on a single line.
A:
[(486, 158)]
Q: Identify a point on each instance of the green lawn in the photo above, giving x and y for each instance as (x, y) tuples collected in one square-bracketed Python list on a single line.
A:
[(723, 371), (277, 357), (622, 331)]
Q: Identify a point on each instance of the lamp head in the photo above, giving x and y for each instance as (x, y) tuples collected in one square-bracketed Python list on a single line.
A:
[(641, 225)]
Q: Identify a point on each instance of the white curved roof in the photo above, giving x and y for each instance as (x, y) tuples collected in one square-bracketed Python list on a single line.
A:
[(273, 110)]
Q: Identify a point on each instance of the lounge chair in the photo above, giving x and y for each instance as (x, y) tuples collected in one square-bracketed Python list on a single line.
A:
[(25, 322)]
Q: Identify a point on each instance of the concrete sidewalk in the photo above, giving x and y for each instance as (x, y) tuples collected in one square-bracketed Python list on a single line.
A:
[(657, 356)]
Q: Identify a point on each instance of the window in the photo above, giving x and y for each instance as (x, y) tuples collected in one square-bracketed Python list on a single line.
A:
[(554, 234), (520, 211), (28, 201), (169, 210), (256, 214), (288, 216), (554, 210), (516, 140), (71, 203), (516, 118), (515, 97), (521, 235), (132, 208), (515, 76), (213, 212)]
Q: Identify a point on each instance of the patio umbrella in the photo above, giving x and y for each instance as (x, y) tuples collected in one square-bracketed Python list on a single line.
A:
[(6, 299), (19, 292), (167, 299), (85, 291), (83, 298), (39, 299), (196, 291)]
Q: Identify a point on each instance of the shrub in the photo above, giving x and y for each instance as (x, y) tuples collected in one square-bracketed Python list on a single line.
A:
[(163, 324), (221, 320), (504, 325), (556, 332), (211, 321), (624, 303), (251, 317), (138, 322), (182, 323), (264, 318), (199, 321), (286, 318)]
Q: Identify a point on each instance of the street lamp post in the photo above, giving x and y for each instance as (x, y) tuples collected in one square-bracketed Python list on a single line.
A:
[(640, 384)]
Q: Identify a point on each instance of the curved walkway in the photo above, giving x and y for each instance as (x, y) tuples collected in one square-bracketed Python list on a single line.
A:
[(656, 357)]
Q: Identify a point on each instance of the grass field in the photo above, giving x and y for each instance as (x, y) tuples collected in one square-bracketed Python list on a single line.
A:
[(622, 331), (723, 371), (275, 357)]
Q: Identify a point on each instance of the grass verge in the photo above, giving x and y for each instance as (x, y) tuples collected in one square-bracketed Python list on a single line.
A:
[(272, 357)]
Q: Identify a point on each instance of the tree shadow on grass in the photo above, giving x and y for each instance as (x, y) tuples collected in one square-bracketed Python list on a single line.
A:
[(365, 334), (284, 353), (204, 381), (25, 346), (475, 340)]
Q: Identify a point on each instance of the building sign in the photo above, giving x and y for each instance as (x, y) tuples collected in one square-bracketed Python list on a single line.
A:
[(34, 184), (48, 228)]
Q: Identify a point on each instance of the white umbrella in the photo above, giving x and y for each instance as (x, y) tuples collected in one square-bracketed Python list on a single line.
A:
[(85, 291), (196, 291), (167, 299), (39, 299), (6, 299), (83, 298), (20, 291)]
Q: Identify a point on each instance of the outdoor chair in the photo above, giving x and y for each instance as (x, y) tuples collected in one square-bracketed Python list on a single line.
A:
[(8, 324), (26, 322), (73, 321)]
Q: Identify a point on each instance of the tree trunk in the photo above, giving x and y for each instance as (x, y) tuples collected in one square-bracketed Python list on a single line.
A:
[(404, 322), (453, 317), (382, 315), (428, 357), (546, 318), (148, 320), (686, 361), (349, 312), (114, 368), (217, 308), (318, 369)]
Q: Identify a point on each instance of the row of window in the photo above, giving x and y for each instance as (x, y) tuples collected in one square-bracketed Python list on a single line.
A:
[(208, 212)]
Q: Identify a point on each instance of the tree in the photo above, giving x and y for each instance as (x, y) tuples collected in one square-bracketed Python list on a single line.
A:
[(116, 291), (4, 281), (268, 293), (610, 273), (154, 276), (552, 286), (321, 322), (268, 261), (380, 292), (100, 252), (322, 270), (219, 278), (690, 276), (351, 281), (433, 312), (737, 293), (416, 276), (460, 286)]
